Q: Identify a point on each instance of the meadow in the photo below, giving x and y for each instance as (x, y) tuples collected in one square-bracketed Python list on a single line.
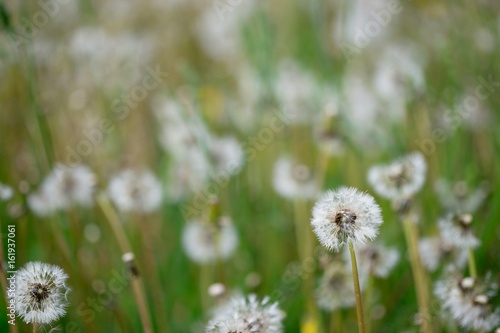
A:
[(169, 156)]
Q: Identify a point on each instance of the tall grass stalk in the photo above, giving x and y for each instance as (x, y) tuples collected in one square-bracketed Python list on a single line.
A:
[(121, 237), (411, 235)]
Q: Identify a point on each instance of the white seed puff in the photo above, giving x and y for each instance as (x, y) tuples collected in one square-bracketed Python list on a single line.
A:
[(138, 191), (399, 179), (345, 215), (246, 315), (468, 301), (335, 289), (41, 293), (205, 242)]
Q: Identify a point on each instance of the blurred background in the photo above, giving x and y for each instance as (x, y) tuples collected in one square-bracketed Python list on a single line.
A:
[(240, 110)]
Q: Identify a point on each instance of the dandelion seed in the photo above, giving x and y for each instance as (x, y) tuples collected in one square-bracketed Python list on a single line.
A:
[(400, 179), (336, 289), (246, 315), (204, 242), (345, 215), (135, 191), (293, 180), (41, 293)]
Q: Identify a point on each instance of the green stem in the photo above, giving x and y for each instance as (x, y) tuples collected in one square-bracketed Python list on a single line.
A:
[(419, 277), (368, 298), (357, 291), (472, 263)]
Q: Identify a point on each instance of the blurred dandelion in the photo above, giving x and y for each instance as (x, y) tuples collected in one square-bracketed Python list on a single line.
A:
[(336, 289), (458, 198), (62, 189), (207, 242), (138, 191), (6, 192), (468, 301), (293, 180), (399, 179)]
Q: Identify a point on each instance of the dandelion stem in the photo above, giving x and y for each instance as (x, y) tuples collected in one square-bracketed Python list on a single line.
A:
[(336, 321), (368, 298), (472, 263), (357, 291), (422, 290), (137, 287), (35, 327), (114, 222), (305, 241)]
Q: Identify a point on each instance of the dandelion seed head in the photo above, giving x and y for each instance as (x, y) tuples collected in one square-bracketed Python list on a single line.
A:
[(458, 198), (226, 155), (436, 250), (457, 230), (374, 259), (246, 315), (41, 293), (335, 288), (294, 180), (63, 188), (138, 191), (345, 215), (467, 300), (204, 242), (399, 179)]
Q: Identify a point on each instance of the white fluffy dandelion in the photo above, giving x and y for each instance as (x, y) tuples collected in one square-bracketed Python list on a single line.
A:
[(468, 300), (336, 289), (226, 155), (138, 191), (436, 250), (457, 229), (205, 242), (459, 198), (6, 192), (63, 188), (399, 179), (41, 293), (246, 315), (293, 180), (375, 259), (345, 216)]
